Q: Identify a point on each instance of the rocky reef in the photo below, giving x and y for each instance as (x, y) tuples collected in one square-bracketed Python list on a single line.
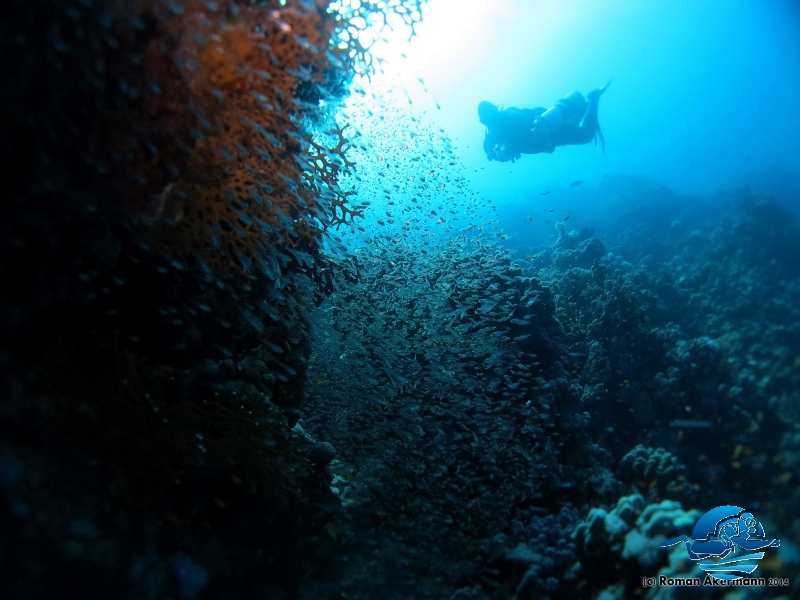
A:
[(160, 256)]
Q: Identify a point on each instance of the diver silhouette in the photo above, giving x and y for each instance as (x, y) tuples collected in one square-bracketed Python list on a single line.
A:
[(512, 132), (743, 531)]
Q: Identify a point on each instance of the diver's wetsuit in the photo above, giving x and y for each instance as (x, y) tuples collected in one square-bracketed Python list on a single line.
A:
[(513, 132)]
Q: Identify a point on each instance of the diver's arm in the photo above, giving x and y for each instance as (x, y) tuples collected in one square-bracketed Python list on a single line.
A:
[(496, 148), (507, 139), (502, 155), (530, 114), (522, 138), (515, 120), (508, 151), (488, 146)]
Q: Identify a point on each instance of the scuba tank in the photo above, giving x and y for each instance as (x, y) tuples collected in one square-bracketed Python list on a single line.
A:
[(570, 109)]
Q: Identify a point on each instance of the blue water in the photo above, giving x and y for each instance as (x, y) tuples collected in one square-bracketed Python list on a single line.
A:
[(703, 94)]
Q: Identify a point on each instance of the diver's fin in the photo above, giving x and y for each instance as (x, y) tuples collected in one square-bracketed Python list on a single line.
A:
[(594, 95), (599, 134)]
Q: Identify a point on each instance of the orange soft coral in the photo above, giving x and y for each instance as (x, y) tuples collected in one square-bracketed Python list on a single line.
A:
[(249, 184)]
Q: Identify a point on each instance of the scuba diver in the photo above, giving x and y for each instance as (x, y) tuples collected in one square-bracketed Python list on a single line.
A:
[(512, 132)]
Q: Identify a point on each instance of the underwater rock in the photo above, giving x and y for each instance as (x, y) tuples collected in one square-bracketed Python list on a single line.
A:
[(473, 593), (597, 370), (657, 523), (547, 553), (602, 531), (321, 454), (656, 470), (632, 531), (158, 249), (572, 253)]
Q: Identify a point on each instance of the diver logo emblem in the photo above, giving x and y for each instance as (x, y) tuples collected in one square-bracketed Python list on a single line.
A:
[(718, 533)]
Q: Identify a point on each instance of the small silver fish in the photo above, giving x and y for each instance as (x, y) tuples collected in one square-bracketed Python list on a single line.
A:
[(691, 424)]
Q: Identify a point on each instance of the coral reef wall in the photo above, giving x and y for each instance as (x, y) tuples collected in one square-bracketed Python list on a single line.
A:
[(536, 428), (160, 254)]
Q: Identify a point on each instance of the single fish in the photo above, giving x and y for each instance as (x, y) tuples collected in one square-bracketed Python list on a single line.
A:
[(691, 424), (544, 193), (576, 182)]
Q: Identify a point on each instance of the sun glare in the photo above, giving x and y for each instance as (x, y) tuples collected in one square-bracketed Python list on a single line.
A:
[(454, 38)]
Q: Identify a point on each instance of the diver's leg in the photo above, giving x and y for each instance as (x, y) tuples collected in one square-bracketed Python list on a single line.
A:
[(590, 122), (570, 134)]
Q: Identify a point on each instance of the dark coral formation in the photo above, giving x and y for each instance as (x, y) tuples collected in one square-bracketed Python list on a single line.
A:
[(654, 471), (159, 261), (464, 409), (629, 403)]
